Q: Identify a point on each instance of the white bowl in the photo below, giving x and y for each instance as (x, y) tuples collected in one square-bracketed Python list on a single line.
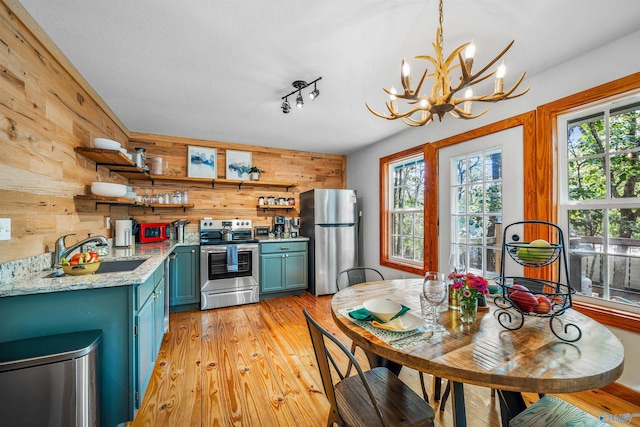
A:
[(108, 189), (382, 309), (106, 144)]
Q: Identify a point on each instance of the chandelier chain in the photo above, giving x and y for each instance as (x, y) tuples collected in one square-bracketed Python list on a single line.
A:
[(441, 38)]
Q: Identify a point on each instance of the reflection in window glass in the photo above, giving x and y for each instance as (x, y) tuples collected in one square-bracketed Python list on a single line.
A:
[(475, 210), (407, 213)]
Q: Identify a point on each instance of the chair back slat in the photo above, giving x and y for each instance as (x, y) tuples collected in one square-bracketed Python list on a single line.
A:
[(355, 275)]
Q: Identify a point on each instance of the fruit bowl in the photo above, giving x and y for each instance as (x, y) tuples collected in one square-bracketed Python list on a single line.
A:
[(81, 269)]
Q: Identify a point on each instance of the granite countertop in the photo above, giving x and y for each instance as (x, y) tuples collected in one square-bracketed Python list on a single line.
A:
[(153, 253)]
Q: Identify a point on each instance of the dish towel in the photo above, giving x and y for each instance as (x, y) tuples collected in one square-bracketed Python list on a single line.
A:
[(363, 314), (232, 258)]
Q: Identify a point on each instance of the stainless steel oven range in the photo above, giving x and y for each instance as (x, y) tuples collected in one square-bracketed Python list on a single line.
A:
[(228, 263)]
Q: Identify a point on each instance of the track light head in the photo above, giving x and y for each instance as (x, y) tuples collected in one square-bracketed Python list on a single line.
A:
[(314, 93), (299, 100), (286, 107)]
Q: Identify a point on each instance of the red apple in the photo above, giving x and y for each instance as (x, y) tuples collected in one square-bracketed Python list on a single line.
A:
[(514, 288), (525, 301), (544, 305)]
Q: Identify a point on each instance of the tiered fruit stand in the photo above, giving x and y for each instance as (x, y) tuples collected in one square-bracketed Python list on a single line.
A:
[(511, 311)]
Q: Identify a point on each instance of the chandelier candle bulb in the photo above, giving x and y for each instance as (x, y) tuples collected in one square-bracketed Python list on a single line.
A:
[(467, 104), (500, 73), (392, 97), (469, 53)]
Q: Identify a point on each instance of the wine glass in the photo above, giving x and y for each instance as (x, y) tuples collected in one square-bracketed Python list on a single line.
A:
[(434, 289)]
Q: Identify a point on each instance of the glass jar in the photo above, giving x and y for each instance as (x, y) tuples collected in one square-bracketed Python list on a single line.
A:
[(185, 196), (261, 200), (271, 200), (291, 201), (282, 201)]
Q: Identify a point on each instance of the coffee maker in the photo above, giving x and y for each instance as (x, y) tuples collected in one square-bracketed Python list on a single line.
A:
[(278, 226), (295, 227)]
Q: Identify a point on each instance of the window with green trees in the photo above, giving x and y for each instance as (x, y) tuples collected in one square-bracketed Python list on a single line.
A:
[(406, 210), (600, 198)]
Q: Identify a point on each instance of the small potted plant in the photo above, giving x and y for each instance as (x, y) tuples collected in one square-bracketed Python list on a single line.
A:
[(255, 173)]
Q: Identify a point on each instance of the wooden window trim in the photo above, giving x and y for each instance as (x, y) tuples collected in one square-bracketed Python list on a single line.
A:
[(385, 259), (531, 197), (546, 128)]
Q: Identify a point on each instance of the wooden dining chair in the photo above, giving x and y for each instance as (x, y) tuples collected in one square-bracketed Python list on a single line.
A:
[(356, 275), (374, 397)]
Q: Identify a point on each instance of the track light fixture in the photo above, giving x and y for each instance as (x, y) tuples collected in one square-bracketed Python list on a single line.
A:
[(299, 85)]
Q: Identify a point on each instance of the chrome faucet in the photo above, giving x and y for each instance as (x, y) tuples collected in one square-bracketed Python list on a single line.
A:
[(62, 251)]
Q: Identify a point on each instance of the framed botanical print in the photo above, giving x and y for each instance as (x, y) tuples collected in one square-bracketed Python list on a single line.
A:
[(238, 164), (202, 162)]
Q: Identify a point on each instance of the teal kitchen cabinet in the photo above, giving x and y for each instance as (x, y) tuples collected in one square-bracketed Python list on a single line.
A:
[(148, 330), (283, 266), (126, 319), (184, 273)]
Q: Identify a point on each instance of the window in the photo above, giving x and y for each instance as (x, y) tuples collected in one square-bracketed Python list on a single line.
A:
[(476, 210), (403, 215), (599, 205)]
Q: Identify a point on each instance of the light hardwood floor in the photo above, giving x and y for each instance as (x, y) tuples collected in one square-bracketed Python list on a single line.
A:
[(254, 365)]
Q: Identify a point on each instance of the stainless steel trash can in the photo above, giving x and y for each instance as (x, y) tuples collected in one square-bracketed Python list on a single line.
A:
[(51, 381)]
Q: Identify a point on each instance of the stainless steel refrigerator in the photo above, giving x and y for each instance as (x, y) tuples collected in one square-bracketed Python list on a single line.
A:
[(329, 219)]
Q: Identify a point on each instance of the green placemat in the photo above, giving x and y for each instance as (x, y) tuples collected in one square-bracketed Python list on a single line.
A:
[(399, 340)]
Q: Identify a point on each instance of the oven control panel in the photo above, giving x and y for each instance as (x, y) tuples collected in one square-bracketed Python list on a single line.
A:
[(219, 224)]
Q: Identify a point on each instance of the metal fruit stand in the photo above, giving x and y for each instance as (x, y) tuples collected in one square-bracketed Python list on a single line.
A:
[(511, 313)]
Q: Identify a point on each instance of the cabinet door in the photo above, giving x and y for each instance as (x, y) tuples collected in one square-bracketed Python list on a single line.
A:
[(185, 279), (144, 347), (271, 272), (295, 270), (158, 317)]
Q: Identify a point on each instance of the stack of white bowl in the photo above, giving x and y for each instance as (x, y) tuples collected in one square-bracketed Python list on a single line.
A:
[(109, 144), (107, 189)]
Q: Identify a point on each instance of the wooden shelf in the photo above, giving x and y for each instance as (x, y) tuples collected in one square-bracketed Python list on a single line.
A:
[(115, 161), (240, 183), (123, 201), (219, 181), (275, 207)]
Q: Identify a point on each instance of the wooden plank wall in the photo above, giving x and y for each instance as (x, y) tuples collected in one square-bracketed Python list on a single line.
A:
[(47, 109), (309, 170), (44, 113)]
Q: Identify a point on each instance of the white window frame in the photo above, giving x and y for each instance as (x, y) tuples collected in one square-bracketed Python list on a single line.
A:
[(565, 204)]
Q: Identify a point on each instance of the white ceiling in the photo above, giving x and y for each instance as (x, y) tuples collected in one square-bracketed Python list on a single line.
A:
[(217, 70)]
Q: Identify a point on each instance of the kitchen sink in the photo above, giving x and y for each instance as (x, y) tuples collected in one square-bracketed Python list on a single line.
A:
[(118, 266), (108, 267)]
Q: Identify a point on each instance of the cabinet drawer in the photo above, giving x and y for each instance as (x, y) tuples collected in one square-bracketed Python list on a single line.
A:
[(270, 248), (144, 290)]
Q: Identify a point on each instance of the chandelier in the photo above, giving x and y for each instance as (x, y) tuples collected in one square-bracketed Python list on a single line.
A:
[(442, 98)]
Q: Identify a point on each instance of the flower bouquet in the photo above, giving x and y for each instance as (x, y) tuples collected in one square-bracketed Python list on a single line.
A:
[(471, 288)]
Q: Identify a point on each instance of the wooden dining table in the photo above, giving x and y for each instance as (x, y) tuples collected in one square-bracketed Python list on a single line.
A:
[(484, 353)]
